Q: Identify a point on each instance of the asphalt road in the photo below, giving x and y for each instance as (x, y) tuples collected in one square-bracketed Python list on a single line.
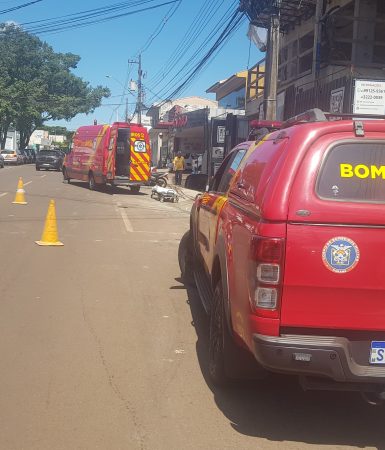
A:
[(102, 347)]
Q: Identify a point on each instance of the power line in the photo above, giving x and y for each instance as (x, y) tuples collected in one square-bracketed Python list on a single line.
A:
[(160, 27), (232, 25), (195, 29), (187, 65), (190, 65), (90, 17), (15, 8)]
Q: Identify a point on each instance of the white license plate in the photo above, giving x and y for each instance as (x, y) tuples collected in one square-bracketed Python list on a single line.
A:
[(377, 352)]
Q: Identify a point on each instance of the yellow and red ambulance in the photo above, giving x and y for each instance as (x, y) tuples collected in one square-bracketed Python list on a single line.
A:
[(117, 155)]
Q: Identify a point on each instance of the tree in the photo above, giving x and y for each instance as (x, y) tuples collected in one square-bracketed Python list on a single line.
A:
[(37, 84)]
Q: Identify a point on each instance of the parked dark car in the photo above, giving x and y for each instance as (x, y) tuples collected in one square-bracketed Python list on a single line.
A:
[(49, 159)]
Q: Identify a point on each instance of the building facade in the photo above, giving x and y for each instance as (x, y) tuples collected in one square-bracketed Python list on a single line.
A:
[(331, 53), (166, 118)]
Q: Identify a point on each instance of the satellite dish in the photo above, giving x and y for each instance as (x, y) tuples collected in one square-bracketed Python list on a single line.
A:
[(258, 36)]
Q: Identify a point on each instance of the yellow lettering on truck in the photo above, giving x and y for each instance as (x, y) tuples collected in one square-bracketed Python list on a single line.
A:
[(362, 171), (377, 171), (346, 170)]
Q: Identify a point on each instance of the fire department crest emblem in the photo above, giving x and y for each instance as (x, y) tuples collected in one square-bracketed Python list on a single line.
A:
[(340, 254)]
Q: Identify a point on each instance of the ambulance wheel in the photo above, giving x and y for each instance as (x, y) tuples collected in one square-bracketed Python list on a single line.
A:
[(91, 182), (186, 258), (134, 189), (228, 361)]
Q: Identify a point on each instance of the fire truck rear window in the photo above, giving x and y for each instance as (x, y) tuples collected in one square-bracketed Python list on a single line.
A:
[(354, 172)]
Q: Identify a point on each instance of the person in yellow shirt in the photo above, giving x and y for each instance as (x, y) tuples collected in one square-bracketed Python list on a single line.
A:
[(179, 165)]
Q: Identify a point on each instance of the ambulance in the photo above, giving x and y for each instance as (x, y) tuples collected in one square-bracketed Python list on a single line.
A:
[(115, 155)]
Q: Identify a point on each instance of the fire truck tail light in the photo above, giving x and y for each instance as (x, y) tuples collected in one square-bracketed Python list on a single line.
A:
[(266, 298), (269, 250), (268, 273), (267, 258)]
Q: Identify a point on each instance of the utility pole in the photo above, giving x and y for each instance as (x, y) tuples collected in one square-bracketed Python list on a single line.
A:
[(126, 111), (271, 70), (139, 102), (139, 106)]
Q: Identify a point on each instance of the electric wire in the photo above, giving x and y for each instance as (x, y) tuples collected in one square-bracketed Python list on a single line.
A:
[(58, 25), (232, 26), (196, 28), (188, 67), (173, 9), (24, 5)]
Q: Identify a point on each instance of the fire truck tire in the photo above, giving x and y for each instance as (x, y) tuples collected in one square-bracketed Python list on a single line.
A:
[(228, 361), (217, 340), (91, 182), (65, 176), (186, 259)]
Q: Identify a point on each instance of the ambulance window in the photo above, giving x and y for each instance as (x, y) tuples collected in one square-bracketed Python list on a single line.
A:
[(353, 172)]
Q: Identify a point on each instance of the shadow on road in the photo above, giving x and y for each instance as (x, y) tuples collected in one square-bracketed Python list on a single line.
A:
[(109, 190), (277, 408)]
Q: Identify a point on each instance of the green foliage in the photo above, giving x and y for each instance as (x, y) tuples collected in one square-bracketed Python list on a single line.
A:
[(37, 84)]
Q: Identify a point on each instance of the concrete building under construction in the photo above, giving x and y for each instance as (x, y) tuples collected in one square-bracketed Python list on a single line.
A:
[(329, 54)]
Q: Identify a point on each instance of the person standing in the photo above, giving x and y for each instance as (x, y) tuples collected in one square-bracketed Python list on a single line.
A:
[(179, 165)]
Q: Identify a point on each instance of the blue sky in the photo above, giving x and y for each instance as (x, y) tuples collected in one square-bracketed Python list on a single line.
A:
[(105, 48)]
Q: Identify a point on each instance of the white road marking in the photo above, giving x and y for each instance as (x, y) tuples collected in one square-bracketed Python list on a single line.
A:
[(27, 183), (3, 194), (179, 351), (126, 220), (42, 176)]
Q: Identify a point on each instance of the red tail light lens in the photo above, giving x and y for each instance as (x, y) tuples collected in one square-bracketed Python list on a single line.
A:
[(268, 250)]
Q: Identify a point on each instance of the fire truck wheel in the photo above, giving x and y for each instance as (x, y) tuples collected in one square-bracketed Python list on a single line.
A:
[(217, 349), (91, 182), (134, 189), (228, 361), (186, 259), (65, 176)]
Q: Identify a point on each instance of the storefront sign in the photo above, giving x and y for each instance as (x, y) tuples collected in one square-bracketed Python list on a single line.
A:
[(369, 97), (191, 119), (218, 139), (221, 134)]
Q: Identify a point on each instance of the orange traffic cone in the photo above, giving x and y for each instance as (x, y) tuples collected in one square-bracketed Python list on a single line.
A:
[(50, 236), (20, 194)]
